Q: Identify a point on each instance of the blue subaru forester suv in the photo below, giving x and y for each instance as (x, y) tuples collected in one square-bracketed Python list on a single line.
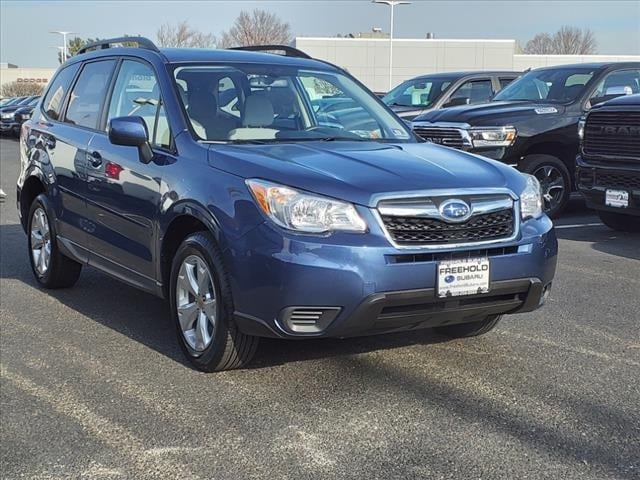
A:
[(215, 180)]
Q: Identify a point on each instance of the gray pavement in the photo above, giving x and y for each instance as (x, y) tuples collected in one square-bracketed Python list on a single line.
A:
[(94, 385)]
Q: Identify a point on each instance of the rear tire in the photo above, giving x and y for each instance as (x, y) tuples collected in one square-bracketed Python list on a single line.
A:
[(50, 267), (202, 308), (473, 329), (554, 179), (620, 221)]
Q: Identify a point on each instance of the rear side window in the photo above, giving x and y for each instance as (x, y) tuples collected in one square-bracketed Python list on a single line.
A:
[(52, 103), (88, 94), (477, 91)]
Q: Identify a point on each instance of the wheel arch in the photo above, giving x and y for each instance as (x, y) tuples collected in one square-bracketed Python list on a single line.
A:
[(33, 186), (184, 219), (564, 152)]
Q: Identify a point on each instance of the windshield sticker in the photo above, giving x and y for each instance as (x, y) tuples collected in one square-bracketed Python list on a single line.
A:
[(544, 110), (399, 133)]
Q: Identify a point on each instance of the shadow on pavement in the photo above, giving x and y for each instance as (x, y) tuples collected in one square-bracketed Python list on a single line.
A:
[(145, 318)]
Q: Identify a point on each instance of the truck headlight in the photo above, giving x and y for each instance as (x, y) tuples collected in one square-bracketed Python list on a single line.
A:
[(305, 212), (492, 136), (7, 116), (531, 198)]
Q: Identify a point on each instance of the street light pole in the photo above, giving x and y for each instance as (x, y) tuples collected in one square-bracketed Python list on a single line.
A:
[(392, 4), (65, 53)]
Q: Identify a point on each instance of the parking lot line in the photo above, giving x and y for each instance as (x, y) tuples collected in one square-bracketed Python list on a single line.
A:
[(579, 225)]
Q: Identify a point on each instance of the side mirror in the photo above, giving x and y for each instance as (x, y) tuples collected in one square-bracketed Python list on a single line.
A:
[(456, 102), (131, 132)]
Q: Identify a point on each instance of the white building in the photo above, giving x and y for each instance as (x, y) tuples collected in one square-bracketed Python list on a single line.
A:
[(12, 73), (368, 58)]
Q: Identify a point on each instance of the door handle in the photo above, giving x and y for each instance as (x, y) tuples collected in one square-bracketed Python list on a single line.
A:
[(95, 159)]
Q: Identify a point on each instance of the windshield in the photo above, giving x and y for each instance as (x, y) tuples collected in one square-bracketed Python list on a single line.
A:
[(418, 92), (558, 85), (270, 103)]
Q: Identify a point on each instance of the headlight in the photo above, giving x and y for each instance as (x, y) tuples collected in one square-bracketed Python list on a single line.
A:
[(305, 212), (531, 198), (492, 136), (581, 123), (7, 116)]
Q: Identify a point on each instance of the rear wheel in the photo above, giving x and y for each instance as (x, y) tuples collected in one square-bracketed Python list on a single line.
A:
[(202, 306), (50, 267), (554, 179), (620, 221), (473, 329)]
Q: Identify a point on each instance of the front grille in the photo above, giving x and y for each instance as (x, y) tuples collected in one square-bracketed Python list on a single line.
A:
[(429, 231), (613, 134), (624, 180), (450, 137)]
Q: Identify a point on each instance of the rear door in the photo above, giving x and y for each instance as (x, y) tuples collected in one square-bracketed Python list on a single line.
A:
[(124, 194)]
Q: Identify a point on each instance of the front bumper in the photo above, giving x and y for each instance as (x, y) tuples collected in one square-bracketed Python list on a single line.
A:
[(366, 286), (6, 126), (594, 180)]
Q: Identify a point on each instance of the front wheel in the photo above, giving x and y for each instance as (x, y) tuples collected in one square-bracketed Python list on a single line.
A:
[(202, 307), (554, 179), (620, 221), (473, 329)]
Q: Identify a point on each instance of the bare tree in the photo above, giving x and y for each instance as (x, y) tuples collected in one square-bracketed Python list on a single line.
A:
[(183, 35), (20, 89), (566, 41), (258, 27)]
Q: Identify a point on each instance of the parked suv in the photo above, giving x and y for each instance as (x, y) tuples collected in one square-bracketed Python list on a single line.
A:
[(442, 90), (259, 220), (532, 123), (608, 166)]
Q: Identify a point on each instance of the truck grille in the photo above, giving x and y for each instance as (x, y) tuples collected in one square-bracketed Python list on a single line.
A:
[(626, 180), (612, 134), (449, 137), (428, 231)]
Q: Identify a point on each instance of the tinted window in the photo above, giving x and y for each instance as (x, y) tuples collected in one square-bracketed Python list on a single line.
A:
[(561, 85), (87, 96), (621, 82), (52, 103), (477, 91), (136, 93), (418, 92), (505, 81)]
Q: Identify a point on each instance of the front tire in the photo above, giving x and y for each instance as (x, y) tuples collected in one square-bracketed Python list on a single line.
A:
[(50, 267), (554, 179), (620, 221), (202, 307), (473, 329)]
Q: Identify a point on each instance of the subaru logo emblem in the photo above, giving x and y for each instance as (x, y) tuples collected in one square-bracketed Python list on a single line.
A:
[(455, 210)]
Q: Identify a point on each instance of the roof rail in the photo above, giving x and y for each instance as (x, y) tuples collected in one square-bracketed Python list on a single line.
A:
[(107, 42), (288, 51)]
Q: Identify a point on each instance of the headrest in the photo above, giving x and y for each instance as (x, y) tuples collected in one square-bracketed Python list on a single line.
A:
[(258, 111)]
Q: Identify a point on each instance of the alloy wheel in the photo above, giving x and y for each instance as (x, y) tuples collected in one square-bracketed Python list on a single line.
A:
[(40, 241), (196, 303), (552, 184)]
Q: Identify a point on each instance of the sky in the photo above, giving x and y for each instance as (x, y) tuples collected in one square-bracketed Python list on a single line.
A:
[(25, 25)]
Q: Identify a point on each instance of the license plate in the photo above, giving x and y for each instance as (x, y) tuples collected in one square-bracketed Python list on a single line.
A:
[(616, 198), (463, 277)]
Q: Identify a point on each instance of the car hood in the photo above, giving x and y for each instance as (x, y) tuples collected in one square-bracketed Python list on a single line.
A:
[(361, 171), (494, 113)]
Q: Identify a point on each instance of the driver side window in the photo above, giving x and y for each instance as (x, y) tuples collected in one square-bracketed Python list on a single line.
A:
[(620, 82), (137, 93)]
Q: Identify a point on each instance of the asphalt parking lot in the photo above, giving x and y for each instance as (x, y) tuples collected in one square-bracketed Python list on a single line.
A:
[(94, 385)]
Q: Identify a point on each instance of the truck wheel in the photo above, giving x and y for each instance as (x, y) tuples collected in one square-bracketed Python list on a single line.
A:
[(473, 329), (554, 179), (50, 267), (202, 307), (620, 221)]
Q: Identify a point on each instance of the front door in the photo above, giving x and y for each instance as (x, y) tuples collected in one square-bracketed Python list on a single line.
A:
[(124, 194)]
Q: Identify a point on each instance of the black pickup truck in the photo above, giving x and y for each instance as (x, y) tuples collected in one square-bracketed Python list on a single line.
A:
[(532, 123), (608, 165)]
